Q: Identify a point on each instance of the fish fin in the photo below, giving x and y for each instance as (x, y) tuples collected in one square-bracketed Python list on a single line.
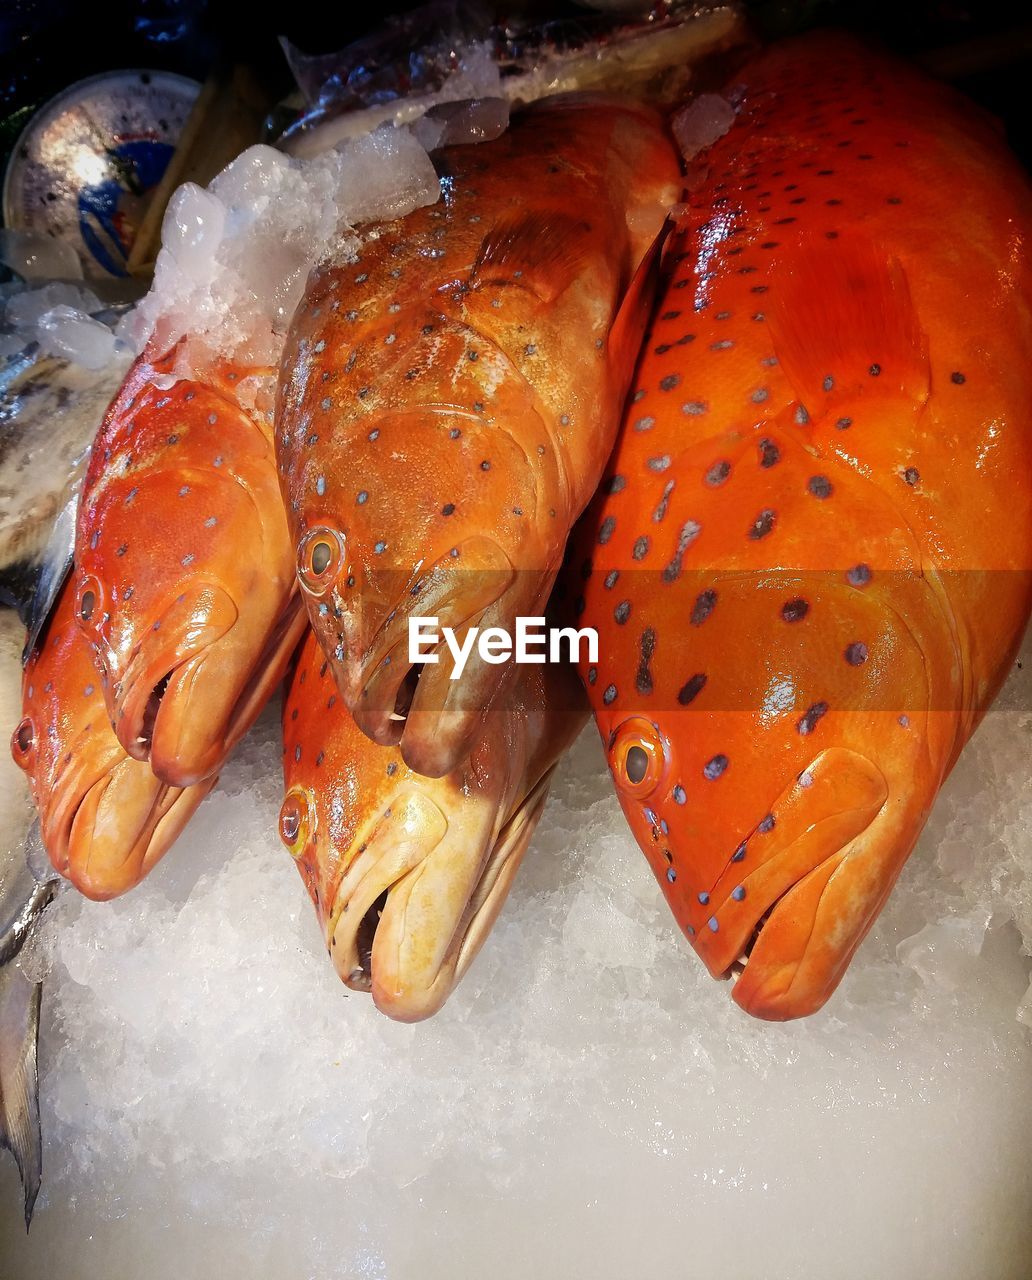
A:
[(629, 324), (541, 251), (19, 1085), (844, 326)]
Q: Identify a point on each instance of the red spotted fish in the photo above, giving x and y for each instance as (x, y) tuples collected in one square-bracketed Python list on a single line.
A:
[(408, 873), (184, 569), (808, 561), (105, 819), (448, 399)]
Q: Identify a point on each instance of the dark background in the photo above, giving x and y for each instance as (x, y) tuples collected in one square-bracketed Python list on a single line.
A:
[(986, 47)]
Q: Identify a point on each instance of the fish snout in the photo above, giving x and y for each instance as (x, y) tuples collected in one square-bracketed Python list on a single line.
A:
[(125, 822), (152, 699), (772, 922), (399, 698), (421, 894)]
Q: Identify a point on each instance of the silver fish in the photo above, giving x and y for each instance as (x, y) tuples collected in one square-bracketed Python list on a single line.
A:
[(50, 409), (27, 884)]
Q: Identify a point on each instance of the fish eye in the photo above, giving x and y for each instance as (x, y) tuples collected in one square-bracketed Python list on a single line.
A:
[(89, 607), (22, 741), (638, 756), (295, 822), (319, 556), (636, 764)]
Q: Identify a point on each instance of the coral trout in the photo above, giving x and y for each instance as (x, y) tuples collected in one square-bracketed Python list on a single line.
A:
[(449, 397), (809, 558), (184, 570)]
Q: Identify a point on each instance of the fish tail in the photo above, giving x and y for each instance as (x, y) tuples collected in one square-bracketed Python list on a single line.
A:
[(20, 1001)]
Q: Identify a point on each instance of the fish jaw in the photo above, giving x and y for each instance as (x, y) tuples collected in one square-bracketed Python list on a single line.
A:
[(147, 694), (121, 828), (794, 901), (408, 920)]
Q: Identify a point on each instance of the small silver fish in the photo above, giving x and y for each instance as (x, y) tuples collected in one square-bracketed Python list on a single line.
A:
[(50, 409), (27, 884)]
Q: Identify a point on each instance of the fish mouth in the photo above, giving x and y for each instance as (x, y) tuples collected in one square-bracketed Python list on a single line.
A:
[(162, 661), (768, 929), (410, 916), (186, 722), (106, 835), (416, 705)]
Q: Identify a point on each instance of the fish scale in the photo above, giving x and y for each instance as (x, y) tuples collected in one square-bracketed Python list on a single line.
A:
[(808, 562), (449, 396)]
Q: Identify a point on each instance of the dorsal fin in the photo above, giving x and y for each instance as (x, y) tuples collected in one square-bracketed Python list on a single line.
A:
[(540, 251), (628, 327), (844, 325)]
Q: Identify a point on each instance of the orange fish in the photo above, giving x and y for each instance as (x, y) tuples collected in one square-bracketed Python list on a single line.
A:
[(808, 560), (184, 569), (408, 873), (449, 397), (105, 820)]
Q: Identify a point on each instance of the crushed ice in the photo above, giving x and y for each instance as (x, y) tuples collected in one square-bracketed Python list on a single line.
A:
[(589, 1102)]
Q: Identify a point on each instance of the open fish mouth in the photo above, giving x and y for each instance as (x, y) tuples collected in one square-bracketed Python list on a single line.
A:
[(416, 705), (762, 930), (160, 721), (410, 916)]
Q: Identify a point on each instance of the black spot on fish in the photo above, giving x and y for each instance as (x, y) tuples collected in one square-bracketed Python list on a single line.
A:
[(808, 722), (704, 605), (643, 678), (762, 525), (715, 767), (691, 689), (689, 532)]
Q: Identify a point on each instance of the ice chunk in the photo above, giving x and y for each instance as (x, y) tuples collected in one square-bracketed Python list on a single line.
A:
[(457, 123), (235, 257), (25, 309), (64, 331), (701, 123)]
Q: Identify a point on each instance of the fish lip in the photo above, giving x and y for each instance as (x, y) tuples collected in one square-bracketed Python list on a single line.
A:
[(502, 855), (152, 672), (373, 683), (751, 990), (60, 809), (137, 844)]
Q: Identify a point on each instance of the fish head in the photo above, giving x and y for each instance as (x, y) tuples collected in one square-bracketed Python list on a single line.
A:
[(105, 819), (366, 579), (184, 578), (776, 740), (408, 872)]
